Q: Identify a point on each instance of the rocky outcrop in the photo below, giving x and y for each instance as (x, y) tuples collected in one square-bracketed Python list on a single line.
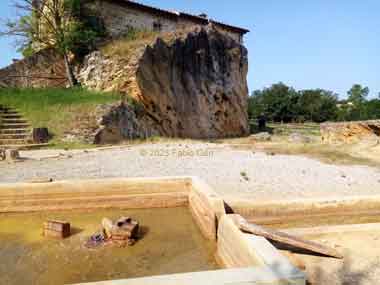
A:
[(193, 87), (350, 132), (120, 122)]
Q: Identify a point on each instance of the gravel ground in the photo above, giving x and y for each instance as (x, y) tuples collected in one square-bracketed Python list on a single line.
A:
[(360, 265), (237, 173)]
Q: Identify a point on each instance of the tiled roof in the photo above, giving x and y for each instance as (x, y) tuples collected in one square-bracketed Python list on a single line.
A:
[(176, 15)]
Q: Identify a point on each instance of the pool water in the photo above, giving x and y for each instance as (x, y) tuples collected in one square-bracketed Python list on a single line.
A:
[(170, 243)]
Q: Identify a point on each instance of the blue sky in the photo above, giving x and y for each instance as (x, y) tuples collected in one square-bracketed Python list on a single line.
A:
[(328, 44)]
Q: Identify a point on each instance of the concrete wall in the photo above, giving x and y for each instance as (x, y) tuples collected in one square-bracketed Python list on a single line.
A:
[(91, 194), (235, 276), (206, 207), (287, 210), (236, 249)]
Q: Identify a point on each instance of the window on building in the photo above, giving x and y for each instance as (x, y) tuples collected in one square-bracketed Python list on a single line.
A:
[(157, 26)]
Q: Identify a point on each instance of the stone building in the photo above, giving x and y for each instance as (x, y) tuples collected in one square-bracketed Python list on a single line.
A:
[(119, 15)]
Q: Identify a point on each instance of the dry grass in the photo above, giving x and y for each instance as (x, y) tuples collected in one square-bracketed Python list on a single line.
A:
[(342, 155), (128, 44), (137, 39), (363, 154)]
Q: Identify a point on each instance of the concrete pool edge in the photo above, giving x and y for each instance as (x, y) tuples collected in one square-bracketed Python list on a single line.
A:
[(277, 210), (262, 264), (133, 193)]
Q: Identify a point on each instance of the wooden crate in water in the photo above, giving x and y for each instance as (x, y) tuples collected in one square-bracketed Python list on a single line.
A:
[(57, 229)]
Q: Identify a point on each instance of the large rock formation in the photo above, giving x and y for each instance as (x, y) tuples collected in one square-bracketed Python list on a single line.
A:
[(351, 132), (193, 86)]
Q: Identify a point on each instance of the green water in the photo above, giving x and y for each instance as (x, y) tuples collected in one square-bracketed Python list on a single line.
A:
[(171, 243)]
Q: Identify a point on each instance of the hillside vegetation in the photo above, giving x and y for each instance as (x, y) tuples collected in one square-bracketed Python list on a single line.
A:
[(282, 103), (60, 110)]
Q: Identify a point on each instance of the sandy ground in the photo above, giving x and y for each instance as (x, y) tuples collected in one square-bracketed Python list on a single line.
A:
[(360, 266), (232, 172)]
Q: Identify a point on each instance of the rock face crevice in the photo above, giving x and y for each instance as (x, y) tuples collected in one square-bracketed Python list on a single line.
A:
[(196, 87)]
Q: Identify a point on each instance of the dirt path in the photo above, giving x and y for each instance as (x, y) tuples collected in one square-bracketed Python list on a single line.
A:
[(232, 172)]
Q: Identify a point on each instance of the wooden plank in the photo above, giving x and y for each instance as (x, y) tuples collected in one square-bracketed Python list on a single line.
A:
[(285, 238)]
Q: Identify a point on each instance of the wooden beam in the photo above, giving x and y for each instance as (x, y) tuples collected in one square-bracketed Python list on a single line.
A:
[(285, 238)]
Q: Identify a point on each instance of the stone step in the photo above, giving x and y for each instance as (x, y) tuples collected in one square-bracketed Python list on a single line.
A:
[(13, 141), (25, 146), (8, 109), (2, 113), (13, 121), (14, 136), (13, 126), (12, 116), (15, 131)]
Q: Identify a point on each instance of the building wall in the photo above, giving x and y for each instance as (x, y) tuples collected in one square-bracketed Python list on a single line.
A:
[(118, 19)]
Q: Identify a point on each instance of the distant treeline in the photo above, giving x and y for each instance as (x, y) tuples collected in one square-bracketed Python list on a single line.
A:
[(281, 103)]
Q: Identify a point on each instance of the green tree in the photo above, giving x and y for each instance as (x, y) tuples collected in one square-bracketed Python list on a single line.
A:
[(55, 24), (281, 103), (317, 105), (275, 102), (372, 109), (358, 94)]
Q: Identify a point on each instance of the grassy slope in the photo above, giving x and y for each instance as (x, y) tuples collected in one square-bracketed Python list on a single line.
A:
[(57, 109)]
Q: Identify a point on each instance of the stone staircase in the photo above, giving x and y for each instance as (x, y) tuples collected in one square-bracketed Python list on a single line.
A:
[(14, 129)]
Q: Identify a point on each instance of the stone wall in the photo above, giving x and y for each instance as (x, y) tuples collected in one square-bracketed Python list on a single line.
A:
[(44, 69), (118, 18)]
